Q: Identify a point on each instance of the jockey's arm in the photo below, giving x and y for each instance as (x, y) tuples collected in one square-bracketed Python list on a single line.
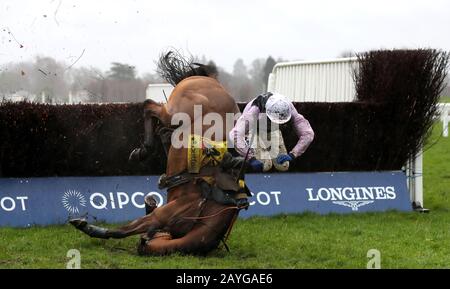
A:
[(246, 122), (304, 132)]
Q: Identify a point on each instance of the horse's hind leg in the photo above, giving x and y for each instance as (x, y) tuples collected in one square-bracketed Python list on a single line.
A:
[(135, 227), (138, 226)]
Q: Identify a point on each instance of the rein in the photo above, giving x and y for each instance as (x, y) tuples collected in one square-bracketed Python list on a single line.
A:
[(224, 238), (213, 215)]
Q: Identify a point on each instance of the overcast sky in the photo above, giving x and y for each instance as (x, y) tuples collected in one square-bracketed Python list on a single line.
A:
[(136, 32)]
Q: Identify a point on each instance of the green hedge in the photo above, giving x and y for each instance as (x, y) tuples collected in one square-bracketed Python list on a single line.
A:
[(411, 83), (396, 90), (68, 140), (95, 140)]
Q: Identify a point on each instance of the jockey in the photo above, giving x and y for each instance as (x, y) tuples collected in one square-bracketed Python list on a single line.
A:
[(261, 118)]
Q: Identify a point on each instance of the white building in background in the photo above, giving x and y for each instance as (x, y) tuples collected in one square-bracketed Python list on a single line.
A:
[(79, 96), (159, 92), (15, 98)]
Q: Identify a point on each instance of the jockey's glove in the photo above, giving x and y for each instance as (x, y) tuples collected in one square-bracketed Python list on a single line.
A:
[(285, 158), (256, 165)]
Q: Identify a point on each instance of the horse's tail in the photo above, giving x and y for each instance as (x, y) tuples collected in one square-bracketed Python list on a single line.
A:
[(174, 67)]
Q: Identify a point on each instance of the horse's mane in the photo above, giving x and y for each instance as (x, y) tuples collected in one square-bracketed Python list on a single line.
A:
[(174, 67)]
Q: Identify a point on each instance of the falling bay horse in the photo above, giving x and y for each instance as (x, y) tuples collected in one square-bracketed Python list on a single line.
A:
[(189, 222)]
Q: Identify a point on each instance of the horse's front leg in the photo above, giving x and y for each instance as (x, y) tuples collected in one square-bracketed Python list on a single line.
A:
[(153, 113), (141, 153)]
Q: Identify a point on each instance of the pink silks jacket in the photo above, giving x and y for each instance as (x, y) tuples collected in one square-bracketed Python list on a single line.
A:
[(251, 113)]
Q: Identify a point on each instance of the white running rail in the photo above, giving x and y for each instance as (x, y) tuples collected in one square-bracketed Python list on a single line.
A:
[(444, 115), (317, 81), (159, 92)]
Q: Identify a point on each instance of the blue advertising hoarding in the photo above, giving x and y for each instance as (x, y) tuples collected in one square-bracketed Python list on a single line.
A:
[(45, 201)]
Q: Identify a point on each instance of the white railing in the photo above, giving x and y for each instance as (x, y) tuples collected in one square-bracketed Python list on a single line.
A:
[(444, 115), (414, 166), (318, 81), (159, 92), (414, 175)]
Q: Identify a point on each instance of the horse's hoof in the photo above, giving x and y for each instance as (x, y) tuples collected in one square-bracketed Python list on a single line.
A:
[(150, 204), (134, 155), (91, 230), (78, 223), (153, 234), (141, 249), (142, 244), (150, 201), (138, 155), (164, 235)]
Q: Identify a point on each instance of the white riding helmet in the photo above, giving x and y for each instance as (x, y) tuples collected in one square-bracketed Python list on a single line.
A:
[(278, 108)]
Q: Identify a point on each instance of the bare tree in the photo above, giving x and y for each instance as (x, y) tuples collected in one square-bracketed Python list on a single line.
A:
[(49, 76), (257, 75), (239, 68), (43, 75), (148, 78), (14, 77), (122, 71), (120, 83)]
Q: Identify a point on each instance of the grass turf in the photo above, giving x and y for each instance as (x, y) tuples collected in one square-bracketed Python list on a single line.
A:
[(445, 99), (405, 240)]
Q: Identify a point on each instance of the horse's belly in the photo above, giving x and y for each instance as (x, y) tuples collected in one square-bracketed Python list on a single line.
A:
[(178, 216)]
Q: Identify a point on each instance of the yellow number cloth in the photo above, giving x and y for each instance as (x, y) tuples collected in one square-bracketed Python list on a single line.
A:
[(203, 151)]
